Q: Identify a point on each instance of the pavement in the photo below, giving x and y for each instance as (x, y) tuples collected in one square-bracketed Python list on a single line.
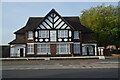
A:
[(52, 58), (109, 62)]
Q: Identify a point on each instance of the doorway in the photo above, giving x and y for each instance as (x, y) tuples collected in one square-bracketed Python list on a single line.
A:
[(21, 52), (88, 51)]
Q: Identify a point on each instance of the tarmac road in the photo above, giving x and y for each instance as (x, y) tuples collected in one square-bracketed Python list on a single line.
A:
[(62, 73)]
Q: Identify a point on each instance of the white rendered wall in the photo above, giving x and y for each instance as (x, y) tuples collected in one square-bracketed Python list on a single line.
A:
[(93, 44), (15, 50)]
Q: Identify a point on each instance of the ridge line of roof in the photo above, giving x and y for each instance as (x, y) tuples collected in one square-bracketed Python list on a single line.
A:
[(61, 16)]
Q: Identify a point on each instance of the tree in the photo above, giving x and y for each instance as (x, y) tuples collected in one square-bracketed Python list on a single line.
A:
[(104, 21)]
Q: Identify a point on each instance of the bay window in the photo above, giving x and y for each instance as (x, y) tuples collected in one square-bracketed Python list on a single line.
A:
[(43, 49), (63, 48)]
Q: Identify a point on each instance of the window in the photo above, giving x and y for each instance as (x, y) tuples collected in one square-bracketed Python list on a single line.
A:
[(53, 35), (30, 35), (76, 48), (43, 49), (44, 34), (63, 48), (30, 49), (76, 35), (62, 33)]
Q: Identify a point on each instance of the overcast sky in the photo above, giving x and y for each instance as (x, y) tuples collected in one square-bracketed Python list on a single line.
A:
[(16, 14)]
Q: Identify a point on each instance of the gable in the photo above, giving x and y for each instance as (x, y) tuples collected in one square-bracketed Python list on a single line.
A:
[(72, 23), (53, 21)]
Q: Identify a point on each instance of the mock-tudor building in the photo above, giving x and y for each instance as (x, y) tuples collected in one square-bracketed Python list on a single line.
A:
[(53, 35)]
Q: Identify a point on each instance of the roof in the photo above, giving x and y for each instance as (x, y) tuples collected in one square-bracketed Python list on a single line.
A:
[(18, 41), (73, 21)]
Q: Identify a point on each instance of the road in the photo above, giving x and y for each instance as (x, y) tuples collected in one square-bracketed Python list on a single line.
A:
[(62, 73), (83, 68)]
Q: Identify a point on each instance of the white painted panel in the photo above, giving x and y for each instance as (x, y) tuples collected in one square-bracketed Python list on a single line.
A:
[(54, 14), (42, 27), (41, 40), (59, 39), (50, 18), (48, 22), (56, 18), (68, 28), (46, 40), (46, 25), (70, 33), (38, 28), (36, 34), (60, 25), (52, 35), (65, 39), (57, 22), (64, 26)]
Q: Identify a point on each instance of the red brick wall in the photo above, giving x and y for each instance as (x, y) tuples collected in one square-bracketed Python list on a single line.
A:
[(21, 36)]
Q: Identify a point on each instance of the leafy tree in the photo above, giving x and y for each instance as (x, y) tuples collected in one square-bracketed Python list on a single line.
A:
[(104, 21)]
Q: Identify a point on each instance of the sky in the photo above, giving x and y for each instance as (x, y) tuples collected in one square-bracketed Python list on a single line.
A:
[(16, 14)]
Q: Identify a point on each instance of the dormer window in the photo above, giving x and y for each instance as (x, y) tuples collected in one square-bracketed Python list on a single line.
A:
[(76, 34), (30, 35)]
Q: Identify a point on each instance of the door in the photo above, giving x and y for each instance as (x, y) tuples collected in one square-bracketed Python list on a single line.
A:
[(52, 35), (21, 52)]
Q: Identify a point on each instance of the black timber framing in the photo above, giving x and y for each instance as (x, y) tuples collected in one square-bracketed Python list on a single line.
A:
[(49, 15)]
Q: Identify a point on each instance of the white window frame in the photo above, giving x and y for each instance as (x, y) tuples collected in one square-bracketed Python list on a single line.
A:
[(62, 33), (53, 35), (43, 33), (30, 48), (46, 47), (30, 35), (76, 48), (76, 34), (63, 46)]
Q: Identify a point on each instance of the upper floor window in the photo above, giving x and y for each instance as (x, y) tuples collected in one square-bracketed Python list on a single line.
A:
[(76, 34), (62, 33), (44, 34), (30, 35)]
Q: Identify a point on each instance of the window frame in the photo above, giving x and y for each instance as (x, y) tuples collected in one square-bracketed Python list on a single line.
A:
[(46, 47), (61, 47), (76, 48), (30, 48), (43, 32), (76, 35), (30, 35), (62, 33)]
